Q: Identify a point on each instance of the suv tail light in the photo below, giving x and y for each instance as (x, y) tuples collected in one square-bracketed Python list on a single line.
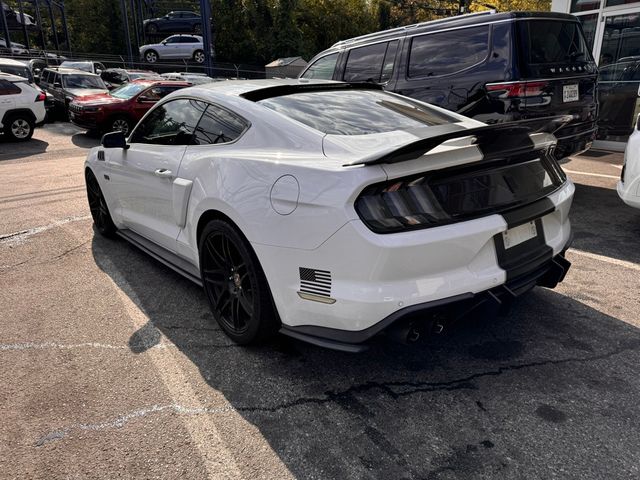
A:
[(458, 193), (517, 89), (41, 97)]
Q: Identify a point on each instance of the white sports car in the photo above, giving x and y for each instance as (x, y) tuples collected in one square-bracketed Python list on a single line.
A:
[(331, 211), (629, 184)]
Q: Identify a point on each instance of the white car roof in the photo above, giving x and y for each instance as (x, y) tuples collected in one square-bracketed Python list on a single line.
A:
[(10, 61), (11, 78)]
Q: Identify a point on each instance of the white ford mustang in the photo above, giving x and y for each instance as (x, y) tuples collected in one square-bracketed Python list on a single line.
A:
[(332, 212)]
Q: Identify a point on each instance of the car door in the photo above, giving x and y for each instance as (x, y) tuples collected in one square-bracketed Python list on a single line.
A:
[(172, 47), (142, 178), (56, 89), (8, 93)]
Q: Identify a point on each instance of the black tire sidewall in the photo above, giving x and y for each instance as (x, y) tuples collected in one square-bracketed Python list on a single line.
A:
[(109, 229)]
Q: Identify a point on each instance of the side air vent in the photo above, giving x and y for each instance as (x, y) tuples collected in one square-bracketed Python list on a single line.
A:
[(101, 155)]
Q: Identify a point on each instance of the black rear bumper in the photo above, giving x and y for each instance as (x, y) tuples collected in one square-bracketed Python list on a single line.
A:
[(423, 316)]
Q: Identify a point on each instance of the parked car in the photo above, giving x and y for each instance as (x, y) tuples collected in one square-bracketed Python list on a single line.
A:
[(21, 107), (84, 65), (16, 48), (174, 22), (180, 47), (629, 185), (494, 67), (115, 77), (618, 92), (65, 84), (22, 68), (16, 20), (121, 108), (276, 196), (192, 78)]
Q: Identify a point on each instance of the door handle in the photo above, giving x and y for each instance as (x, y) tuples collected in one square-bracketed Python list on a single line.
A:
[(163, 173)]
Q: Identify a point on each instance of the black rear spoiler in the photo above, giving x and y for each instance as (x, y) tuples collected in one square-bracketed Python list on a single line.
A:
[(492, 139)]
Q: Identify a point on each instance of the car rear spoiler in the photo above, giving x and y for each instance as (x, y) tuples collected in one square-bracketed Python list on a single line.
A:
[(492, 139)]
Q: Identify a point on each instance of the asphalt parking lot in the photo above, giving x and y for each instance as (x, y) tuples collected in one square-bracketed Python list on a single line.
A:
[(111, 366)]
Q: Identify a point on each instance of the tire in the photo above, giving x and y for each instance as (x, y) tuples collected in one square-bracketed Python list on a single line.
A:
[(151, 56), (119, 123), (19, 127), (198, 56), (152, 28), (197, 28), (235, 285), (98, 206)]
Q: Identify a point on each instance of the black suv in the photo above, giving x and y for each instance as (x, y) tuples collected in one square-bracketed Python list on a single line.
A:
[(174, 22), (494, 67)]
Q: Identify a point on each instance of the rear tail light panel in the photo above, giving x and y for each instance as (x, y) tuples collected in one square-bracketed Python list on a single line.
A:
[(457, 194), (517, 89)]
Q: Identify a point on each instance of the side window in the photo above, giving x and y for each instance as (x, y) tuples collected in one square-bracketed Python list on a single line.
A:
[(56, 78), (448, 52), (8, 88), (44, 77), (158, 93), (323, 68), (219, 126), (173, 40), (364, 64), (389, 61), (172, 123)]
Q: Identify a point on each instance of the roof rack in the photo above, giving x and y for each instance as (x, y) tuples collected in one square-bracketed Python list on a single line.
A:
[(383, 33)]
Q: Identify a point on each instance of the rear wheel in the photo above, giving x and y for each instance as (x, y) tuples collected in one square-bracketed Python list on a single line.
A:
[(235, 285), (98, 206), (198, 56), (151, 56), (19, 127)]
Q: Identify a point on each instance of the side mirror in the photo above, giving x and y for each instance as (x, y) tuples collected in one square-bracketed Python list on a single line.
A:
[(114, 140), (98, 71), (143, 99), (163, 42), (36, 71), (57, 85)]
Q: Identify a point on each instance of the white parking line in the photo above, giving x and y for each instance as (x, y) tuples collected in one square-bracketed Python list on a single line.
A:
[(63, 346), (602, 258), (589, 174), (17, 238)]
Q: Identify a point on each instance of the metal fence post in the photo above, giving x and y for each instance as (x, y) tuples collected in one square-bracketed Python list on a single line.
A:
[(125, 22), (5, 28), (205, 14)]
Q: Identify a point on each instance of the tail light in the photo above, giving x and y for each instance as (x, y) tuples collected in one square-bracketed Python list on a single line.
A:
[(457, 194), (517, 89), (41, 97)]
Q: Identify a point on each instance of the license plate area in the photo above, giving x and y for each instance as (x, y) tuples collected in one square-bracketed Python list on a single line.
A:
[(570, 93), (520, 234)]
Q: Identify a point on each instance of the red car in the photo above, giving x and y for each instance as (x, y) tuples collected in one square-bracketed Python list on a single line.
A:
[(121, 108)]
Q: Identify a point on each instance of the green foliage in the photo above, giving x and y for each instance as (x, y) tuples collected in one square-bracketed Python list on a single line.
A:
[(258, 31)]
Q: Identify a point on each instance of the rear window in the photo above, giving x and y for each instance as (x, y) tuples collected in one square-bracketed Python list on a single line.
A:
[(18, 70), (356, 112), (551, 43)]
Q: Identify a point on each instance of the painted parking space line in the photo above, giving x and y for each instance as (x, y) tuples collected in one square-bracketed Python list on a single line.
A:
[(609, 260), (17, 238), (589, 174)]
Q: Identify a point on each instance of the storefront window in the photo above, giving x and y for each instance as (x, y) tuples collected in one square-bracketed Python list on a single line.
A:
[(586, 5), (621, 38), (589, 24)]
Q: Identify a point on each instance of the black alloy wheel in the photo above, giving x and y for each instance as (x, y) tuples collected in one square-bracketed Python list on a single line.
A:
[(235, 285), (98, 207)]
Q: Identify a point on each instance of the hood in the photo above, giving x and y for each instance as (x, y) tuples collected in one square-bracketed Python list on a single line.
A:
[(98, 99), (83, 92)]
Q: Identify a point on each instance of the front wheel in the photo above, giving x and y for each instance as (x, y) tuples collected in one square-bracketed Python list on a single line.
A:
[(98, 206), (120, 124), (235, 285), (198, 56), (151, 56)]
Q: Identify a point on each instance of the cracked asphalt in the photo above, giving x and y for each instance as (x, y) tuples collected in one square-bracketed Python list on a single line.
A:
[(111, 366)]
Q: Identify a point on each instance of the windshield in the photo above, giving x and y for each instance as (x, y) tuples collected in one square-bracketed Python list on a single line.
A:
[(358, 112), (17, 70), (85, 66), (128, 90), (83, 81)]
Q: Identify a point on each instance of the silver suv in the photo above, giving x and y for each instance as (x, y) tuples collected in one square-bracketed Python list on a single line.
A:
[(182, 47)]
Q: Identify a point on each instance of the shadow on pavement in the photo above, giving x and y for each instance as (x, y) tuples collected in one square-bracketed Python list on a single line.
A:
[(85, 140), (597, 231), (551, 390), (15, 150)]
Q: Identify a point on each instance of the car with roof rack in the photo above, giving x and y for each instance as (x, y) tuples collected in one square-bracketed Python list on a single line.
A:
[(494, 67), (332, 212)]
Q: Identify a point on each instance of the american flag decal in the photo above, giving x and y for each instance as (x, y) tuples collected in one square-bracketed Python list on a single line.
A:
[(316, 282)]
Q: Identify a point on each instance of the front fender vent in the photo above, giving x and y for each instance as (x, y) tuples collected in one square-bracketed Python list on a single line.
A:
[(101, 155), (315, 282)]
